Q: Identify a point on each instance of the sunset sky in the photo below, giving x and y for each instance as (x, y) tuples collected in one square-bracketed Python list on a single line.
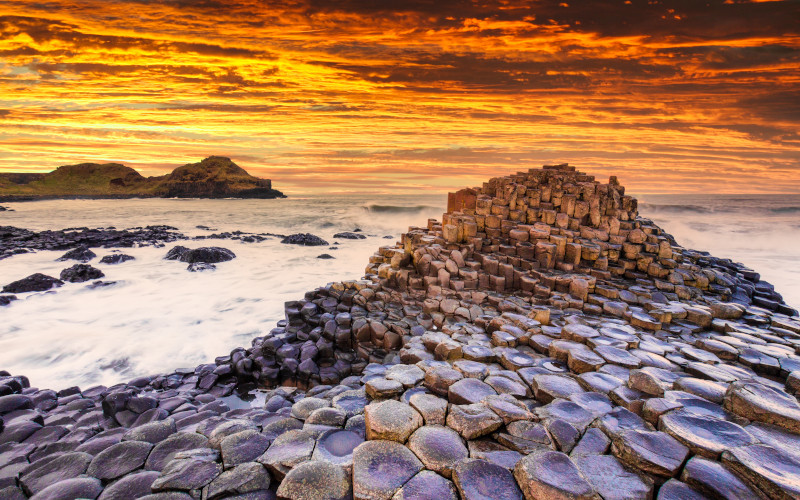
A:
[(370, 95)]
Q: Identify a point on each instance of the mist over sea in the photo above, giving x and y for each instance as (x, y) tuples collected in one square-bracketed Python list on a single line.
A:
[(158, 316)]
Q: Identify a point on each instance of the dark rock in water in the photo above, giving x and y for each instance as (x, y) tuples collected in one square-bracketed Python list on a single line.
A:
[(350, 236), (6, 299), (197, 267), (80, 273), (208, 255), (6, 209), (304, 239), (82, 254), (325, 256), (388, 237), (101, 284), (176, 252), (34, 283), (205, 228), (116, 258)]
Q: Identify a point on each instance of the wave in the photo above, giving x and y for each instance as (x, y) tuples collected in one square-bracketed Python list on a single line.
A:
[(785, 210), (395, 209), (652, 207)]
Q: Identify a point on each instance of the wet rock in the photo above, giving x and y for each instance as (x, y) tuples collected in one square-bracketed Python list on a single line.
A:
[(546, 388), (656, 453), (715, 481), (153, 432), (438, 447), (198, 267), (472, 421), (316, 480), (772, 470), (469, 391), (176, 252), (551, 474), (762, 403), (303, 408), (481, 480), (391, 420), (207, 255), (679, 490), (244, 478), (42, 474), (80, 273), (81, 253), (119, 459), (336, 447), (165, 450), (427, 485), (131, 486), (7, 299), (381, 468), (244, 446), (304, 239), (116, 258), (288, 450), (432, 408), (611, 480), (37, 282), (381, 388), (186, 474), (704, 436), (349, 236), (325, 256), (70, 489)]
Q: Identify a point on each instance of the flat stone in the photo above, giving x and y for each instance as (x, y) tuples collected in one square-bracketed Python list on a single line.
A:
[(575, 414), (706, 389), (656, 453), (381, 388), (504, 385), (715, 480), (679, 490), (71, 489), (508, 408), (333, 417), (618, 356), (494, 452), (427, 485), (42, 474), (481, 480), (316, 480), (552, 475), (762, 403), (337, 447), (439, 379), (164, 451), (772, 470), (593, 442), (408, 375), (288, 450), (153, 432), (611, 480), (381, 468), (472, 421), (186, 474), (245, 478), (582, 361), (303, 408), (228, 428), (704, 436), (565, 435), (546, 388), (469, 391), (131, 486), (599, 382), (439, 448), (244, 446), (432, 408), (391, 420), (119, 459)]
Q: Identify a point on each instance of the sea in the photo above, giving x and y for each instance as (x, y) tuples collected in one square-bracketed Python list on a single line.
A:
[(158, 316)]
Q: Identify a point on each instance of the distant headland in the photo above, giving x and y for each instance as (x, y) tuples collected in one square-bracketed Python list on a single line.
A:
[(214, 177)]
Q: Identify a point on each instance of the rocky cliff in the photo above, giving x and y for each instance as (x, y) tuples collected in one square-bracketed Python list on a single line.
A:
[(214, 177)]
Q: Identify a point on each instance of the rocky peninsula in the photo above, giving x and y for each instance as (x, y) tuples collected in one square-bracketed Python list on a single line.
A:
[(214, 177), (541, 341)]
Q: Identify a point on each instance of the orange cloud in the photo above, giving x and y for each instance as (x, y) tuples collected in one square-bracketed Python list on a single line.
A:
[(670, 96)]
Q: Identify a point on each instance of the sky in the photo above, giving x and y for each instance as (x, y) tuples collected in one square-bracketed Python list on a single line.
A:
[(678, 96)]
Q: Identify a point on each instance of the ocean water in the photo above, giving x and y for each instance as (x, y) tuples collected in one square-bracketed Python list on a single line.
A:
[(159, 317)]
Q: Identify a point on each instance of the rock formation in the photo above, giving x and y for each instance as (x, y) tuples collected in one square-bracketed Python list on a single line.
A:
[(214, 177), (542, 341)]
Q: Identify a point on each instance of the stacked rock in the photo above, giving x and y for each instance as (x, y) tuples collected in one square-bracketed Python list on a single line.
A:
[(543, 341)]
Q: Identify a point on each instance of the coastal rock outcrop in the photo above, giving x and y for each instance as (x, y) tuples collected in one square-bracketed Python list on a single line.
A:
[(80, 273), (36, 282), (542, 340), (304, 239)]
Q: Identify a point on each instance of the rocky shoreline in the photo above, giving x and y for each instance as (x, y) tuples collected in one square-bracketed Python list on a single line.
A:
[(541, 341)]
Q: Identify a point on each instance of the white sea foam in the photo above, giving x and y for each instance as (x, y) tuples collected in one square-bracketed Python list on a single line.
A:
[(159, 316)]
